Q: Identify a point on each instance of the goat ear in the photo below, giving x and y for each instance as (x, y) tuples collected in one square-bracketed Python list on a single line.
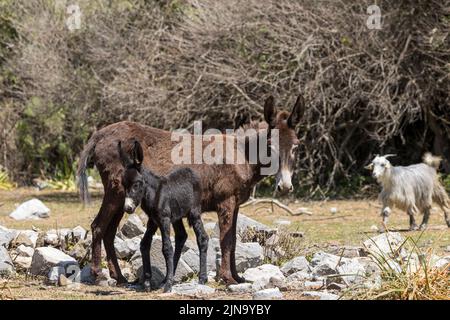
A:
[(297, 112), (126, 161), (138, 154), (270, 112)]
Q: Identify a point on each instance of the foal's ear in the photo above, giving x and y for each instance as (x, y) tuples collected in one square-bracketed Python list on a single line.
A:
[(138, 154), (126, 161), (297, 112), (270, 112)]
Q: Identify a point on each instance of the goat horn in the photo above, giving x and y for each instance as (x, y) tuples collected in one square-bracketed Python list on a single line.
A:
[(389, 155)]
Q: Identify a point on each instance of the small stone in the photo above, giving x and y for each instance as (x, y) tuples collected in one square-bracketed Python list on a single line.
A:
[(268, 294), (32, 209), (265, 271), (22, 263), (63, 281), (192, 289), (6, 236), (282, 222), (321, 295), (125, 249), (133, 227), (333, 210), (24, 251), (240, 288), (325, 264), (21, 239), (79, 233), (45, 258), (386, 245), (351, 271), (300, 276), (313, 285), (295, 265), (6, 264), (192, 259), (336, 286)]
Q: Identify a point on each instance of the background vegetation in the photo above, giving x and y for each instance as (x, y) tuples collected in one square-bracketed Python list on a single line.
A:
[(167, 63)]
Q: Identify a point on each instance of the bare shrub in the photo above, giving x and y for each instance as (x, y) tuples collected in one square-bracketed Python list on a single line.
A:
[(168, 63)]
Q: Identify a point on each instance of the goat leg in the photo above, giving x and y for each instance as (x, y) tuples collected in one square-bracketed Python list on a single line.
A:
[(412, 221), (426, 217)]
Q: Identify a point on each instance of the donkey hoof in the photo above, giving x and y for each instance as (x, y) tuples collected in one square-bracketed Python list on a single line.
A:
[(167, 288), (413, 227), (203, 280), (147, 285)]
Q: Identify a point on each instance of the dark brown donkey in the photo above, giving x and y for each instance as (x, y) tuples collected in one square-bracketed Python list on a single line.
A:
[(225, 186)]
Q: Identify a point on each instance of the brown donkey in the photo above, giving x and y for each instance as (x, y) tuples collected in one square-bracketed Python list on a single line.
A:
[(224, 186)]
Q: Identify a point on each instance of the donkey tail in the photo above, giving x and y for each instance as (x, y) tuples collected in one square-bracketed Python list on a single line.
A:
[(85, 163), (431, 160)]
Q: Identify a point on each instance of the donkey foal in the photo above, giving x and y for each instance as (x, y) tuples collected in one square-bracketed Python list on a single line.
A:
[(166, 200), (412, 188)]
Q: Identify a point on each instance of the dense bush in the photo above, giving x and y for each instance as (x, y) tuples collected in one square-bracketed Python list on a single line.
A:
[(167, 63)]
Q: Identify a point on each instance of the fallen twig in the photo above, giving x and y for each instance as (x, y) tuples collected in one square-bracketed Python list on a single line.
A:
[(254, 202)]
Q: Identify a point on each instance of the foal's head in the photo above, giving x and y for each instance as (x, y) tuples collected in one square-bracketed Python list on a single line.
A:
[(132, 180), (285, 122)]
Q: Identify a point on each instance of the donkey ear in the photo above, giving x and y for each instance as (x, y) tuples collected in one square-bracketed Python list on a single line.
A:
[(297, 112), (270, 112), (138, 154), (126, 161)]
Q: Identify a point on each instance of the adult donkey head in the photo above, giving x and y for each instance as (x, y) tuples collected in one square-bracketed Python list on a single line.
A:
[(285, 123)]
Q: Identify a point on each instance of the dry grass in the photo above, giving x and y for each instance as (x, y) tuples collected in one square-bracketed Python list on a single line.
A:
[(414, 281)]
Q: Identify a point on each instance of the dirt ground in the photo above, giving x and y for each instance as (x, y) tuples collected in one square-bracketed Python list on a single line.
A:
[(352, 223)]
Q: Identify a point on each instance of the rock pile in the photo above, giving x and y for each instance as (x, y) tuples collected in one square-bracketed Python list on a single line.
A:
[(61, 256)]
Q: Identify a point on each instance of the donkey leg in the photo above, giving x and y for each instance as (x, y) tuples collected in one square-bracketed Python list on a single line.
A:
[(233, 249), (180, 239), (167, 252), (225, 213), (111, 257), (145, 247), (99, 226), (202, 242)]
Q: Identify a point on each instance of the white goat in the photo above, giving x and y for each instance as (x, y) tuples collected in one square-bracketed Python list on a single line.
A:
[(412, 188)]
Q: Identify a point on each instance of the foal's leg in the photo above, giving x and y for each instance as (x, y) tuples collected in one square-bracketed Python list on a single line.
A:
[(145, 246), (202, 242), (167, 251), (180, 239)]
